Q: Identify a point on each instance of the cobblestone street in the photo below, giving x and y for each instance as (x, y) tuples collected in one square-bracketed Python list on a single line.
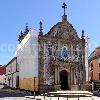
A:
[(52, 98), (8, 94)]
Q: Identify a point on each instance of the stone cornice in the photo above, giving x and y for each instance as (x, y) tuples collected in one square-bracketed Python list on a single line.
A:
[(45, 38), (63, 63)]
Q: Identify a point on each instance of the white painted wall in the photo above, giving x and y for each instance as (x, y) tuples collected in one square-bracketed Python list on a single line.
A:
[(27, 56)]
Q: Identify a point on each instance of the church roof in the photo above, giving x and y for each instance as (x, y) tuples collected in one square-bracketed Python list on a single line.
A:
[(63, 30)]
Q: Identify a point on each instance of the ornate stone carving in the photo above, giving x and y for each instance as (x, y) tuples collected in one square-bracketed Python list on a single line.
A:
[(63, 34)]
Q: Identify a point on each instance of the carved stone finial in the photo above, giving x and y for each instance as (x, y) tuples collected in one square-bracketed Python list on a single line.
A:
[(20, 37), (64, 17), (41, 33), (19, 40), (83, 39), (21, 33), (82, 34), (26, 29)]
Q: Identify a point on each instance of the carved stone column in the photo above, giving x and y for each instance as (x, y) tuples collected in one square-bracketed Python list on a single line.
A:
[(73, 75), (55, 75), (44, 62), (57, 79), (58, 76), (70, 76)]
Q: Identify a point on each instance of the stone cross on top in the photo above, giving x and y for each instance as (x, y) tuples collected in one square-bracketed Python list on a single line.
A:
[(64, 6)]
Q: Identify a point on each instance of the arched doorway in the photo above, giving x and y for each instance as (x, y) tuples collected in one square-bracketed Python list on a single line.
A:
[(64, 80)]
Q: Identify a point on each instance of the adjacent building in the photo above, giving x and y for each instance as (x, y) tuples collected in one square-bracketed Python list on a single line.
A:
[(2, 69), (12, 74), (2, 74), (94, 67), (52, 61)]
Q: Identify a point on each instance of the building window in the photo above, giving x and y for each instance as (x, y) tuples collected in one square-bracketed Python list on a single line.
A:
[(99, 76), (17, 67), (49, 49), (91, 75), (75, 51), (99, 65), (91, 66)]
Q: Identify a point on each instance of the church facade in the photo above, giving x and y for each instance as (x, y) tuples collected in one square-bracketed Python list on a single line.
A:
[(61, 58)]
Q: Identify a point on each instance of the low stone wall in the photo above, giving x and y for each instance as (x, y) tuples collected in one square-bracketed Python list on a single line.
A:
[(75, 87), (44, 88), (87, 87), (57, 87)]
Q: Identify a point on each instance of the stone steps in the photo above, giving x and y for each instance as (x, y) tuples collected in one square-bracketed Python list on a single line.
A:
[(70, 94)]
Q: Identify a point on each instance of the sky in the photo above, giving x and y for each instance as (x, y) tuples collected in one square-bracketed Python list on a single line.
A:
[(15, 14)]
